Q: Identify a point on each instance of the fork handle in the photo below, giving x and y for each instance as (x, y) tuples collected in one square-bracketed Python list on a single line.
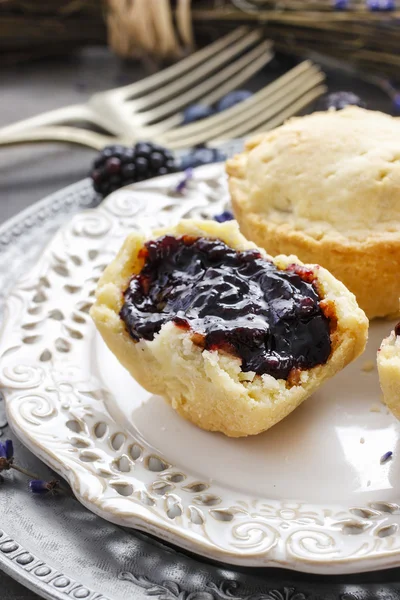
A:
[(59, 116), (71, 135)]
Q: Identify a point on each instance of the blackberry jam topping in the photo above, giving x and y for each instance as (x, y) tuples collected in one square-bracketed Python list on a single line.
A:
[(232, 301)]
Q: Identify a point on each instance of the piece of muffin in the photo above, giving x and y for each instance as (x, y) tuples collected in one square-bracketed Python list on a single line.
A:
[(326, 187), (388, 360), (232, 338)]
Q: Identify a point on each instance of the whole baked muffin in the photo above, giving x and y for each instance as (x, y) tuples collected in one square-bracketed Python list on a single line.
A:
[(232, 338), (326, 187)]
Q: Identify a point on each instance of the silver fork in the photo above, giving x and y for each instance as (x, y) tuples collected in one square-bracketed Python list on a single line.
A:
[(152, 109), (124, 112)]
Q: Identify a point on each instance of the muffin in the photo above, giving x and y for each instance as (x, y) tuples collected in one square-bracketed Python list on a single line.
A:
[(233, 339), (326, 187), (388, 360)]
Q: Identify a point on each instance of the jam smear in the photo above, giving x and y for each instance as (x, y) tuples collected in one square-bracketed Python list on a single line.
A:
[(231, 300)]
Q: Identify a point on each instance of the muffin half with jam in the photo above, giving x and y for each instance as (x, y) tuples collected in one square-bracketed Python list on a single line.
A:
[(232, 338)]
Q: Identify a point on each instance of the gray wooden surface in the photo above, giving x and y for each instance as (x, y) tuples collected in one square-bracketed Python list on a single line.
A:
[(29, 173)]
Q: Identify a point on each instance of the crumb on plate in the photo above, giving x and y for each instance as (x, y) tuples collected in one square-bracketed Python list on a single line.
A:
[(368, 366)]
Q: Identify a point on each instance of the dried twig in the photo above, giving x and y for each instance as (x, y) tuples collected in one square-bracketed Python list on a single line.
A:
[(367, 38)]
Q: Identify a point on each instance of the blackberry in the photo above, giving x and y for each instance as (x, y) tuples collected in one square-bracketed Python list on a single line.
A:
[(118, 165)]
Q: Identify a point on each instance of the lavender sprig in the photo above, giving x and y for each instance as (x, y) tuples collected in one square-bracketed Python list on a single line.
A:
[(7, 450), (6, 457), (183, 183), (40, 487), (224, 216), (386, 457), (36, 486)]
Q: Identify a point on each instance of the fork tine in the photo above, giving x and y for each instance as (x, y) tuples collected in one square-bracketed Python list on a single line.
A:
[(173, 124), (261, 117), (292, 110), (232, 76), (204, 69), (181, 67), (306, 68), (239, 124), (259, 61), (284, 107), (282, 101)]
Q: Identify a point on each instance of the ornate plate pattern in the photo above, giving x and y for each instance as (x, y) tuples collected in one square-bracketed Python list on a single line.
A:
[(54, 372)]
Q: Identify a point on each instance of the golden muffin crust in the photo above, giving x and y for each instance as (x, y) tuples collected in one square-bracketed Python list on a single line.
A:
[(208, 387), (326, 187)]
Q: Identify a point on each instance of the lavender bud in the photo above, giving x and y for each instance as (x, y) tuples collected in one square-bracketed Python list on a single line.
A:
[(9, 449), (225, 216)]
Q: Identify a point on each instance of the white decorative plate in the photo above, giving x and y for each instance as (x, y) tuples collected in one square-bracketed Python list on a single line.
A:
[(310, 494)]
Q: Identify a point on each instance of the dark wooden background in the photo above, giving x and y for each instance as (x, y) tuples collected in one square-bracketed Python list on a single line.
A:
[(28, 173)]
